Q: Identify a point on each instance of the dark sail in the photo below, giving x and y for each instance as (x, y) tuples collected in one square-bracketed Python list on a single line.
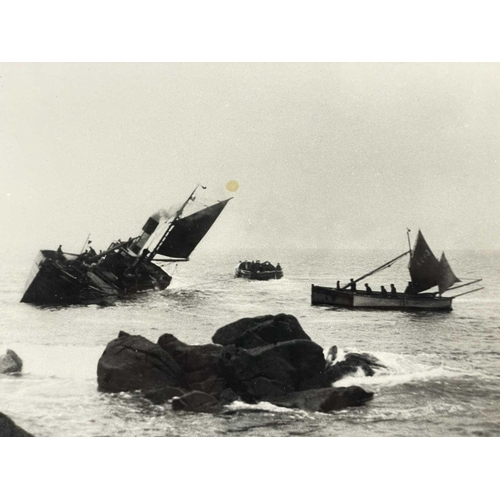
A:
[(186, 233), (424, 267), (447, 277)]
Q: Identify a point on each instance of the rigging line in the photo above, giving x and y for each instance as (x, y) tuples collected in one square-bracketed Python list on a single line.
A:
[(381, 268), (465, 284), (465, 293)]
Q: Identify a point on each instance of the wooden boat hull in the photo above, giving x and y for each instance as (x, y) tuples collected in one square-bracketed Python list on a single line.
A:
[(361, 300), (259, 275), (51, 283)]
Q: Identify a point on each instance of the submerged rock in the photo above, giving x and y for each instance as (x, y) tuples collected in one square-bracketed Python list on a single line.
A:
[(163, 394), (132, 362), (196, 401), (9, 429), (259, 331), (10, 362), (351, 363), (324, 399)]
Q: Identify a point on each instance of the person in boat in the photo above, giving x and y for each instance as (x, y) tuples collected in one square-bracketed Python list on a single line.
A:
[(383, 291), (278, 267), (353, 286), (338, 284), (368, 289), (394, 293), (410, 289)]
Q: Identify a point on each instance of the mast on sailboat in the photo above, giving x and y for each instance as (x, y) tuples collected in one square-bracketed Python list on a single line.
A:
[(380, 268), (424, 268)]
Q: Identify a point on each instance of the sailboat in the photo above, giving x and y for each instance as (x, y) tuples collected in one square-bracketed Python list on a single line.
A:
[(426, 272), (62, 278)]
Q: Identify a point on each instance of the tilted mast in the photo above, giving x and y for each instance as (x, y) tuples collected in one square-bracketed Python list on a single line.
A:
[(183, 234), (191, 197)]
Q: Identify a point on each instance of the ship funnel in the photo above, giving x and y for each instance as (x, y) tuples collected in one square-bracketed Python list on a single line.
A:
[(147, 230)]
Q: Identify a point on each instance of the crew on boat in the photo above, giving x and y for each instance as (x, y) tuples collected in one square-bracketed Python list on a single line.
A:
[(394, 293), (368, 289), (338, 284), (410, 289), (352, 284), (383, 291)]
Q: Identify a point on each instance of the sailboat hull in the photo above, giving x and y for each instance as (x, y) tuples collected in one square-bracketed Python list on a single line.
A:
[(361, 300)]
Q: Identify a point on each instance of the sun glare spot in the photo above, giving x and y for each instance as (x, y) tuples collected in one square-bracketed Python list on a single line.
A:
[(232, 186)]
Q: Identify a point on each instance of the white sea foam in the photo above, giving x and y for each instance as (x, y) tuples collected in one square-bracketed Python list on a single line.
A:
[(266, 407), (400, 369)]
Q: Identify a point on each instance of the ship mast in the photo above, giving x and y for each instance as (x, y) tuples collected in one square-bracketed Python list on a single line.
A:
[(409, 243), (191, 197)]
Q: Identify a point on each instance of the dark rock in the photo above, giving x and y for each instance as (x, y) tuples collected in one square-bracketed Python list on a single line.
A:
[(190, 357), (10, 362), (9, 429), (196, 401), (275, 369), (132, 362), (340, 370), (345, 397), (369, 359), (350, 364), (228, 396), (259, 331), (199, 362), (324, 399), (213, 386), (163, 394)]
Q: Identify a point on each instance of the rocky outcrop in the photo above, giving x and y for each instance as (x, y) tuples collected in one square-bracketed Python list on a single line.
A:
[(200, 364), (9, 429), (259, 331), (272, 370), (10, 362), (267, 358), (132, 362)]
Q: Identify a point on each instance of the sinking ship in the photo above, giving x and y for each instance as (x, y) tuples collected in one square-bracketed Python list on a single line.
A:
[(125, 268)]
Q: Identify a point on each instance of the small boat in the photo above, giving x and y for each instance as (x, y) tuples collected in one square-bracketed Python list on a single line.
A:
[(425, 271), (62, 278), (257, 270)]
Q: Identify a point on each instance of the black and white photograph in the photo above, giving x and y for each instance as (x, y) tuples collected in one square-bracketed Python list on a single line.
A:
[(234, 248), (276, 249)]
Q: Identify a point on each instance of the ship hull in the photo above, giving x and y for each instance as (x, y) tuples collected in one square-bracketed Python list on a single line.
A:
[(361, 300), (57, 280), (52, 282)]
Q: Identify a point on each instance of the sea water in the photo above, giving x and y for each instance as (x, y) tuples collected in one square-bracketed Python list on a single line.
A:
[(441, 378)]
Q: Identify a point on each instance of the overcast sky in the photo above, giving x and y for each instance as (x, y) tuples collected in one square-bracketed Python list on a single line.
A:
[(334, 155)]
